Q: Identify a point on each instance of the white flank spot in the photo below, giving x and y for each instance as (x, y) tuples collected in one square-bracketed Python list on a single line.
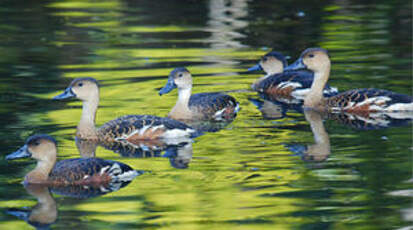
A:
[(289, 84), (174, 133), (332, 90), (127, 176), (143, 130), (85, 177), (218, 114), (400, 107), (349, 106), (300, 93), (400, 114), (115, 170), (375, 122), (102, 189), (374, 100), (103, 170)]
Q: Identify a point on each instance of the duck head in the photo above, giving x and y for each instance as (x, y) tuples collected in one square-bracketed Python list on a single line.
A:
[(39, 147), (272, 63), (84, 89), (314, 59), (178, 78)]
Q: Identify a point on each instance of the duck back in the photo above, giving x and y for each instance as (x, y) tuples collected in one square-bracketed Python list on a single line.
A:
[(361, 100), (291, 84), (218, 106), (143, 127)]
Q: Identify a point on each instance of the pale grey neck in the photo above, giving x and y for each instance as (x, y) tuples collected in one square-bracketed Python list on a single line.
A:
[(44, 167), (89, 109), (184, 94), (315, 96)]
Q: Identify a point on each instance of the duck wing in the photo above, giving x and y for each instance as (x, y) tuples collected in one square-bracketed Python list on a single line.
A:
[(90, 171), (369, 100), (217, 106), (143, 127)]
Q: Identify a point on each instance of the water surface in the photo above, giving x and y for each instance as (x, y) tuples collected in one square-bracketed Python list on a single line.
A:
[(244, 176)]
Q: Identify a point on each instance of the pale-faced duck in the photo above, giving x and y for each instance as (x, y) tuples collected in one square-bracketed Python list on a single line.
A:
[(351, 101), (129, 127), (278, 84), (77, 171), (200, 106)]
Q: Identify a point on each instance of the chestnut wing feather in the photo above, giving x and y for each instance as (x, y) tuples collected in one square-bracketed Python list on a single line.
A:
[(77, 169), (304, 78), (357, 96), (126, 125)]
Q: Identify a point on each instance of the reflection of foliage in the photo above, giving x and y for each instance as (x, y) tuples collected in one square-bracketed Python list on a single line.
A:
[(241, 174)]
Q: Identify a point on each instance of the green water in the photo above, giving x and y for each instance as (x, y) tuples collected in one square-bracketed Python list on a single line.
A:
[(243, 176)]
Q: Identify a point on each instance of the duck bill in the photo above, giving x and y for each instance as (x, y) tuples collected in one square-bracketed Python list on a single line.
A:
[(170, 85), (68, 93), (297, 65), (255, 68), (23, 152)]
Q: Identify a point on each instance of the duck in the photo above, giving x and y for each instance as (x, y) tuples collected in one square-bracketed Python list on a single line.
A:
[(355, 101), (76, 171), (278, 83), (200, 106), (128, 127)]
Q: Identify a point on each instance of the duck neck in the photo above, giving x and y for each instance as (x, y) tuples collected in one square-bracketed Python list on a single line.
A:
[(40, 174), (181, 108), (183, 97), (315, 97), (86, 128)]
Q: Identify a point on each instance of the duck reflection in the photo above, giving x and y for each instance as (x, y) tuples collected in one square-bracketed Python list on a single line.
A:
[(209, 126), (270, 110), (320, 150), (179, 150), (371, 121), (44, 213), (273, 109)]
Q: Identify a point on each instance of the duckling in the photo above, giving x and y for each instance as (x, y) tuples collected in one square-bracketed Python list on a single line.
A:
[(200, 106), (352, 101), (77, 171), (289, 84), (129, 127)]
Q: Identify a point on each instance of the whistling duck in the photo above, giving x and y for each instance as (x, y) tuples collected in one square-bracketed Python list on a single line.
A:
[(278, 84), (351, 101), (200, 106), (129, 127), (77, 171)]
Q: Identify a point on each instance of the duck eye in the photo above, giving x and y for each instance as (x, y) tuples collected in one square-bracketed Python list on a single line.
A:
[(80, 84), (36, 143), (264, 59), (311, 55), (180, 75)]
